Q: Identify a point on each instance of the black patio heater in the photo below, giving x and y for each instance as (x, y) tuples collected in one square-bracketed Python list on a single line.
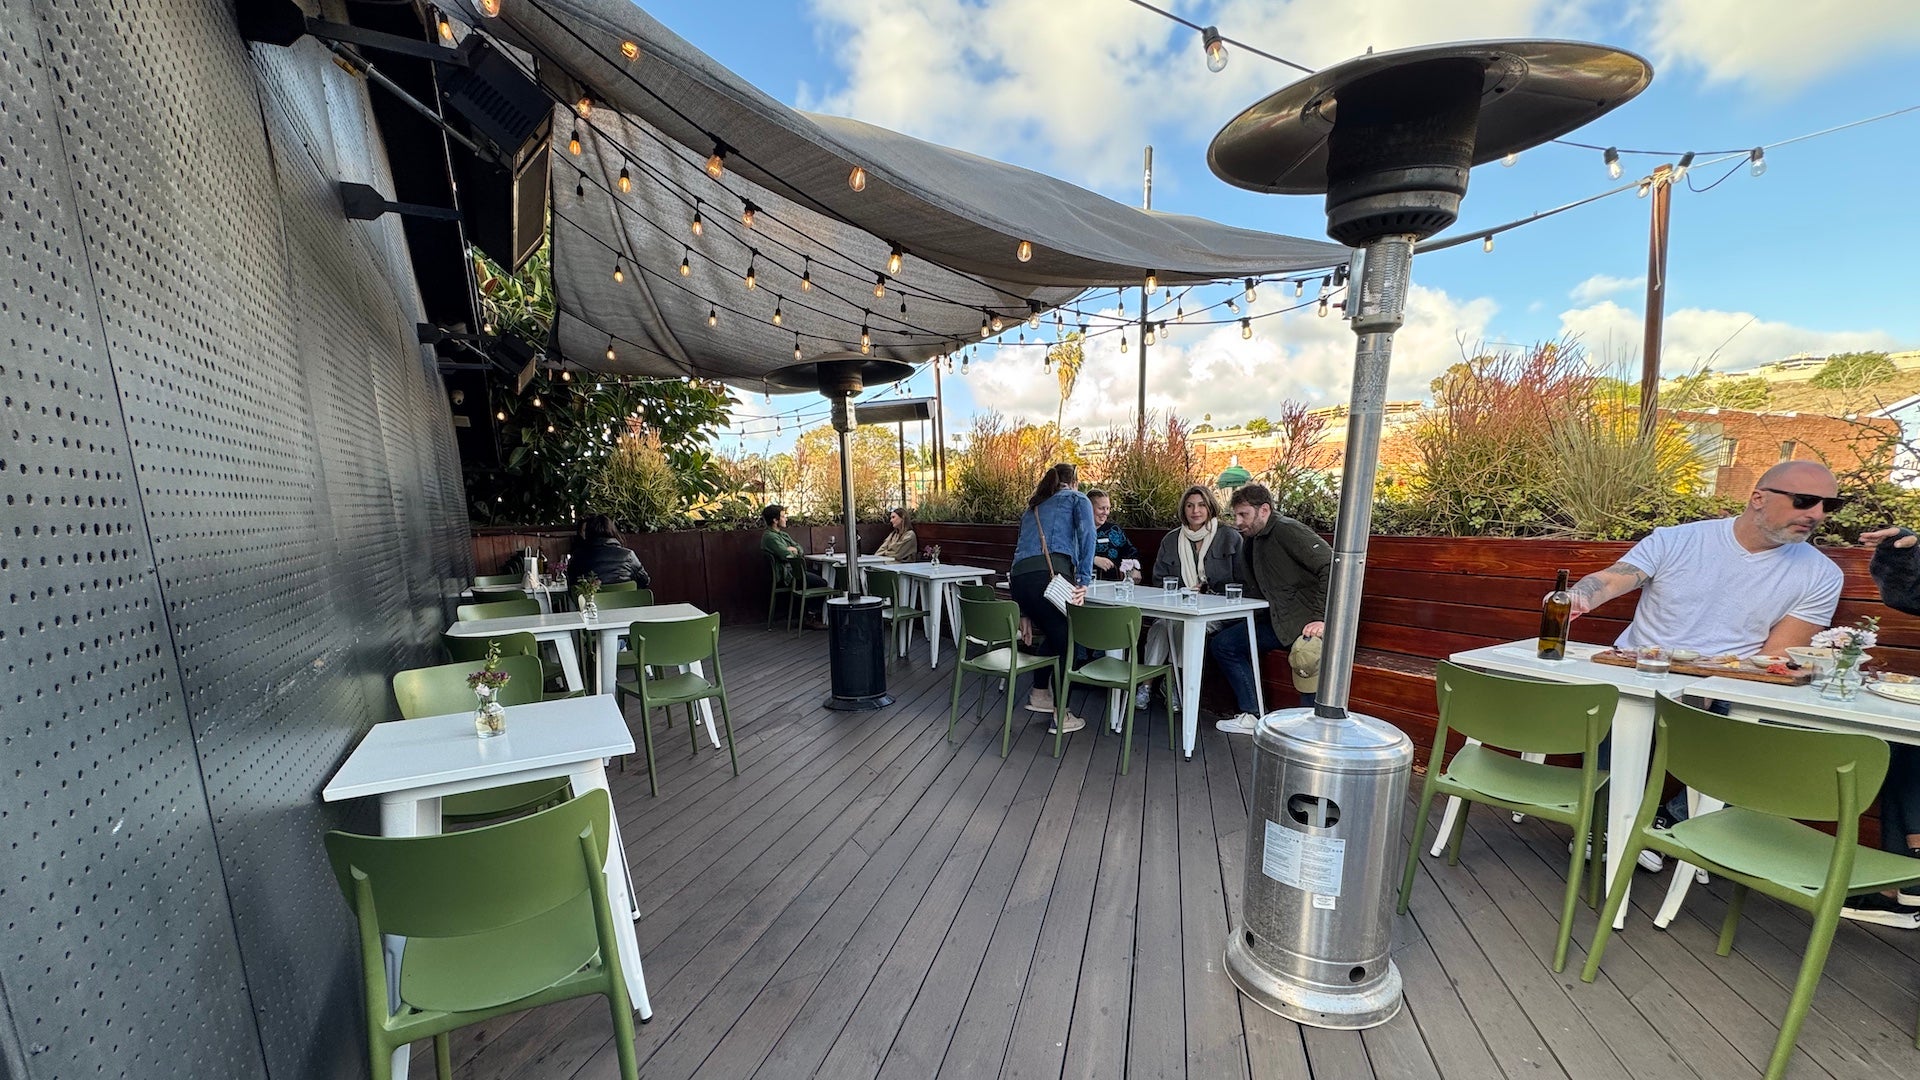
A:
[(856, 632), (1389, 138)]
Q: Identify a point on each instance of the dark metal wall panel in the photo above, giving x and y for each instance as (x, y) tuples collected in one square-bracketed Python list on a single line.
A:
[(117, 954), (238, 510)]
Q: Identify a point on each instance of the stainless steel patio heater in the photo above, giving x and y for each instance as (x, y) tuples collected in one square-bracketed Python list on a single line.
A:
[(1389, 138), (856, 632)]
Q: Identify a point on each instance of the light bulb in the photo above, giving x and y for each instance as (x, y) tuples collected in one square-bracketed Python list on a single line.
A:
[(1300, 288), (1153, 280), (1612, 158), (1757, 161), (584, 106), (1083, 329), (746, 214), (999, 323), (1123, 342), (686, 265), (1180, 313), (1022, 251), (1147, 336), (1645, 186), (1509, 159), (609, 350), (879, 285), (1323, 308), (573, 144), (1033, 319), (549, 429), (796, 348), (964, 358), (536, 401), (618, 273), (986, 331), (713, 316), (1487, 243), (580, 187), (753, 279), (626, 181), (777, 317), (717, 161), (857, 179), (866, 339), (894, 260), (565, 375), (1246, 329), (446, 27), (698, 225), (1251, 295), (1233, 307), (806, 278), (630, 50), (1215, 48), (490, 8), (501, 415), (1686, 162)]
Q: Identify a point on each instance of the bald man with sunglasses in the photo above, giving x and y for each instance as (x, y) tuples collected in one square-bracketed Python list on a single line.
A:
[(1743, 585)]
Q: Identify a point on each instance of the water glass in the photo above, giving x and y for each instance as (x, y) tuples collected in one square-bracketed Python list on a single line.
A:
[(1123, 591), (1653, 663), (1190, 599), (1234, 592), (1171, 588)]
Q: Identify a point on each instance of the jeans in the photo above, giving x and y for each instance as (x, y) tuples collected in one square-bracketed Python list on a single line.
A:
[(1030, 592), (1676, 808), (1900, 798), (1234, 652)]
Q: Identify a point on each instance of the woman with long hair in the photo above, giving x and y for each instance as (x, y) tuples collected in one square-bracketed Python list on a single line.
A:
[(1056, 537), (1203, 554), (898, 545), (601, 554)]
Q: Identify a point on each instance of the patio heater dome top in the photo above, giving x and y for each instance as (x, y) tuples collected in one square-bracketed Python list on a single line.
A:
[(1234, 475), (1527, 92), (833, 371)]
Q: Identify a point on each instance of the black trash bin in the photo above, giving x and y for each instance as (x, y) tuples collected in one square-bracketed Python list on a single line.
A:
[(857, 653)]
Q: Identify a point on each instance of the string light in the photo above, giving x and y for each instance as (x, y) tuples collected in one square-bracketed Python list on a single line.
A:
[(1645, 186), (806, 274), (626, 181), (753, 279), (698, 225), (1612, 158), (610, 355), (1153, 280), (1216, 49), (857, 179), (1686, 162), (713, 316), (584, 106), (1022, 251), (1509, 159), (866, 332), (573, 144), (686, 261), (1146, 334), (580, 188), (1299, 288), (630, 50), (747, 210), (879, 285), (1123, 342), (565, 375), (490, 8), (986, 330), (1757, 161), (1033, 317), (999, 323), (1251, 295), (1487, 243), (619, 274), (964, 358), (717, 161), (1233, 307), (1323, 307), (446, 27), (796, 351), (549, 429), (894, 259), (536, 402), (1246, 329), (776, 311), (1180, 314), (501, 415)]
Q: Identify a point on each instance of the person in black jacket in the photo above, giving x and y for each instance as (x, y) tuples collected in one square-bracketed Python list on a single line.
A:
[(601, 554), (1896, 570)]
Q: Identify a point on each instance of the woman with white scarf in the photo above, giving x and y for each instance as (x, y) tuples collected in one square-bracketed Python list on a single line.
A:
[(1203, 554)]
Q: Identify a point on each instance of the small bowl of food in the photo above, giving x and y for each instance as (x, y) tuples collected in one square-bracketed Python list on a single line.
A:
[(1807, 656), (1684, 656), (1764, 661)]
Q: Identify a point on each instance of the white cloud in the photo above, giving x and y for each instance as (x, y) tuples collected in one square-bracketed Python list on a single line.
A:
[(1772, 45), (1694, 337), (1601, 286)]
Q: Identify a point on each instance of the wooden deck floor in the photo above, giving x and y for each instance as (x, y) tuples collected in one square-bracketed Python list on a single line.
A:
[(868, 900)]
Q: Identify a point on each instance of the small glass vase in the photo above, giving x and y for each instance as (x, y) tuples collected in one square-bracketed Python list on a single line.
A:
[(490, 718), (589, 609), (1845, 681), (934, 559)]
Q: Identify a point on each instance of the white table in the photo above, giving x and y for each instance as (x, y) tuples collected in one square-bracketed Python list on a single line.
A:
[(827, 562), (937, 585), (410, 765), (610, 627), (1800, 706), (1632, 728), (1190, 643)]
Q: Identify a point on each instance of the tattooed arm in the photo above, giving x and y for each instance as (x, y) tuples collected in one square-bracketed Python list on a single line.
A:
[(1603, 585)]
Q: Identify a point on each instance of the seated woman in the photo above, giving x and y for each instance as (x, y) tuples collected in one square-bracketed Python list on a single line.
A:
[(1110, 546), (1203, 554), (601, 554), (899, 544)]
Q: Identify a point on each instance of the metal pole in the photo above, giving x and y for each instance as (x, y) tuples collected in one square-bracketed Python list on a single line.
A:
[(843, 422), (1378, 299), (939, 431), (1656, 297), (901, 430), (1140, 405)]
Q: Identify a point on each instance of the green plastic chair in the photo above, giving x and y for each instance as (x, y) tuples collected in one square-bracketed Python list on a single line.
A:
[(496, 609), (1530, 717), (627, 599), (497, 579), (498, 920), (994, 624), (437, 691), (619, 586), (459, 650), (900, 615), (501, 595), (1772, 779), (790, 581), (658, 646), (979, 592), (1108, 629)]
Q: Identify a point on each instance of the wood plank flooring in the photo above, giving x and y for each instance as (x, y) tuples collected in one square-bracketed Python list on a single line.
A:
[(868, 899)]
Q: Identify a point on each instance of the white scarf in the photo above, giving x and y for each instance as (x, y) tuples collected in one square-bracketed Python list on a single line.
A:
[(1193, 570)]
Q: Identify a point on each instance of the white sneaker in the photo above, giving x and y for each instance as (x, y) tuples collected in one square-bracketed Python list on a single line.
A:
[(1143, 697), (1652, 861), (1040, 701), (1242, 724), (1074, 724)]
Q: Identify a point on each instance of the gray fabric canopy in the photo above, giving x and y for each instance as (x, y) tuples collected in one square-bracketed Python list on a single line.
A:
[(959, 219)]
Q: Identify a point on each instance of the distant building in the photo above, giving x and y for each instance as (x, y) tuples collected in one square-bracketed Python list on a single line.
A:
[(1906, 463), (1737, 445)]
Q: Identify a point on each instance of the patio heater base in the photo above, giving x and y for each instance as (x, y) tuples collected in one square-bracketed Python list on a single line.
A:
[(857, 653)]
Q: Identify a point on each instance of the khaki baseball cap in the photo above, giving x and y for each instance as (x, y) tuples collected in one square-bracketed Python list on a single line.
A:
[(1304, 659)]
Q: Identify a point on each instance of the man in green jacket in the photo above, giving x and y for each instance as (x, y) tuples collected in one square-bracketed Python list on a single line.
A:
[(1286, 564), (786, 559)]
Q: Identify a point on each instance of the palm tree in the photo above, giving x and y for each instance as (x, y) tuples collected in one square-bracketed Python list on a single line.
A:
[(1065, 358)]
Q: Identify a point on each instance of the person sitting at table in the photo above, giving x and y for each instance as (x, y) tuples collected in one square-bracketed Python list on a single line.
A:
[(1286, 564), (603, 555), (1056, 537), (898, 545), (1896, 570), (787, 556), (1110, 546), (1204, 555), (1729, 586)]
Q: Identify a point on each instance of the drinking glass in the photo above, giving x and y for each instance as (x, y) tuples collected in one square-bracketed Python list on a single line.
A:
[(1234, 593), (1171, 587), (1190, 599), (1123, 591), (1653, 663)]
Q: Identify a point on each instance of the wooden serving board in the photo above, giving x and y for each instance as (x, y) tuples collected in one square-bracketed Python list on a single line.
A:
[(1799, 677)]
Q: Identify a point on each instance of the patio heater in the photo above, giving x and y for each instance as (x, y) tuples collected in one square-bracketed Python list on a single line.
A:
[(856, 632), (1389, 139)]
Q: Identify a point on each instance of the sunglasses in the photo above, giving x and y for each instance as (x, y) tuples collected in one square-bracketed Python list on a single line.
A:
[(1802, 501)]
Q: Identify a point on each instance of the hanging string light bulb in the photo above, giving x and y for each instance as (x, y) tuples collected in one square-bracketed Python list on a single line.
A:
[(894, 258), (1612, 159), (686, 261), (1486, 244), (698, 226), (866, 332), (500, 415), (857, 179), (619, 274), (964, 358), (1323, 307), (1233, 307), (1022, 251), (986, 328), (446, 27), (1686, 162), (573, 144), (630, 50), (1645, 186), (806, 274), (610, 354), (747, 210), (796, 350), (580, 187), (999, 323), (1299, 288), (1251, 294), (753, 279), (777, 317), (536, 402), (584, 106), (879, 285), (713, 316), (1180, 314), (549, 429), (490, 8), (717, 161), (1153, 280), (1147, 336), (1033, 315), (1757, 160), (565, 375), (1246, 329), (1123, 342), (626, 181), (1509, 159), (1215, 49)]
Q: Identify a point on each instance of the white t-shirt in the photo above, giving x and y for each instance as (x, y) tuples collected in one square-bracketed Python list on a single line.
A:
[(1709, 593)]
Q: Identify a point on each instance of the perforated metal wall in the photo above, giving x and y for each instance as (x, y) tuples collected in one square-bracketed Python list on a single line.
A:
[(232, 509)]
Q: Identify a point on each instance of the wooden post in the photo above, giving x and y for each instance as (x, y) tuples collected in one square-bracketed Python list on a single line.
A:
[(1662, 182)]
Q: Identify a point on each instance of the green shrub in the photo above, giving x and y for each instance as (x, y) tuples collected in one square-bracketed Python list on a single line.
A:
[(1003, 461), (1145, 476), (637, 486)]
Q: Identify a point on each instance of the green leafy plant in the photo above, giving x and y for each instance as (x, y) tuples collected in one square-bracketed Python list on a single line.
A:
[(1854, 370), (490, 676), (1146, 473), (637, 486), (1003, 460)]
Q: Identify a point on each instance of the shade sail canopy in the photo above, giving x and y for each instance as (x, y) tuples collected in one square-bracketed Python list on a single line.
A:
[(961, 222)]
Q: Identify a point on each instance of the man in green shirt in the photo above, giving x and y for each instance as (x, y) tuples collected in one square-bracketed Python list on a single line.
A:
[(1286, 564), (787, 556)]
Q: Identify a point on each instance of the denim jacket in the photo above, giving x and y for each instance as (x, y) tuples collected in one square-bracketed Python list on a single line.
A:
[(1068, 520)]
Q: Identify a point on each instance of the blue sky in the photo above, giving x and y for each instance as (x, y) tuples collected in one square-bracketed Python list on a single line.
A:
[(1814, 256)]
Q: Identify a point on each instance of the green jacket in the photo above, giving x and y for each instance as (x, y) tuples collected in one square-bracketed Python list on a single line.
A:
[(778, 544), (1290, 567)]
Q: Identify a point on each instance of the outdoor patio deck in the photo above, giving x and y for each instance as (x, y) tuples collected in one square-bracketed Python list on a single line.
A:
[(867, 900)]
